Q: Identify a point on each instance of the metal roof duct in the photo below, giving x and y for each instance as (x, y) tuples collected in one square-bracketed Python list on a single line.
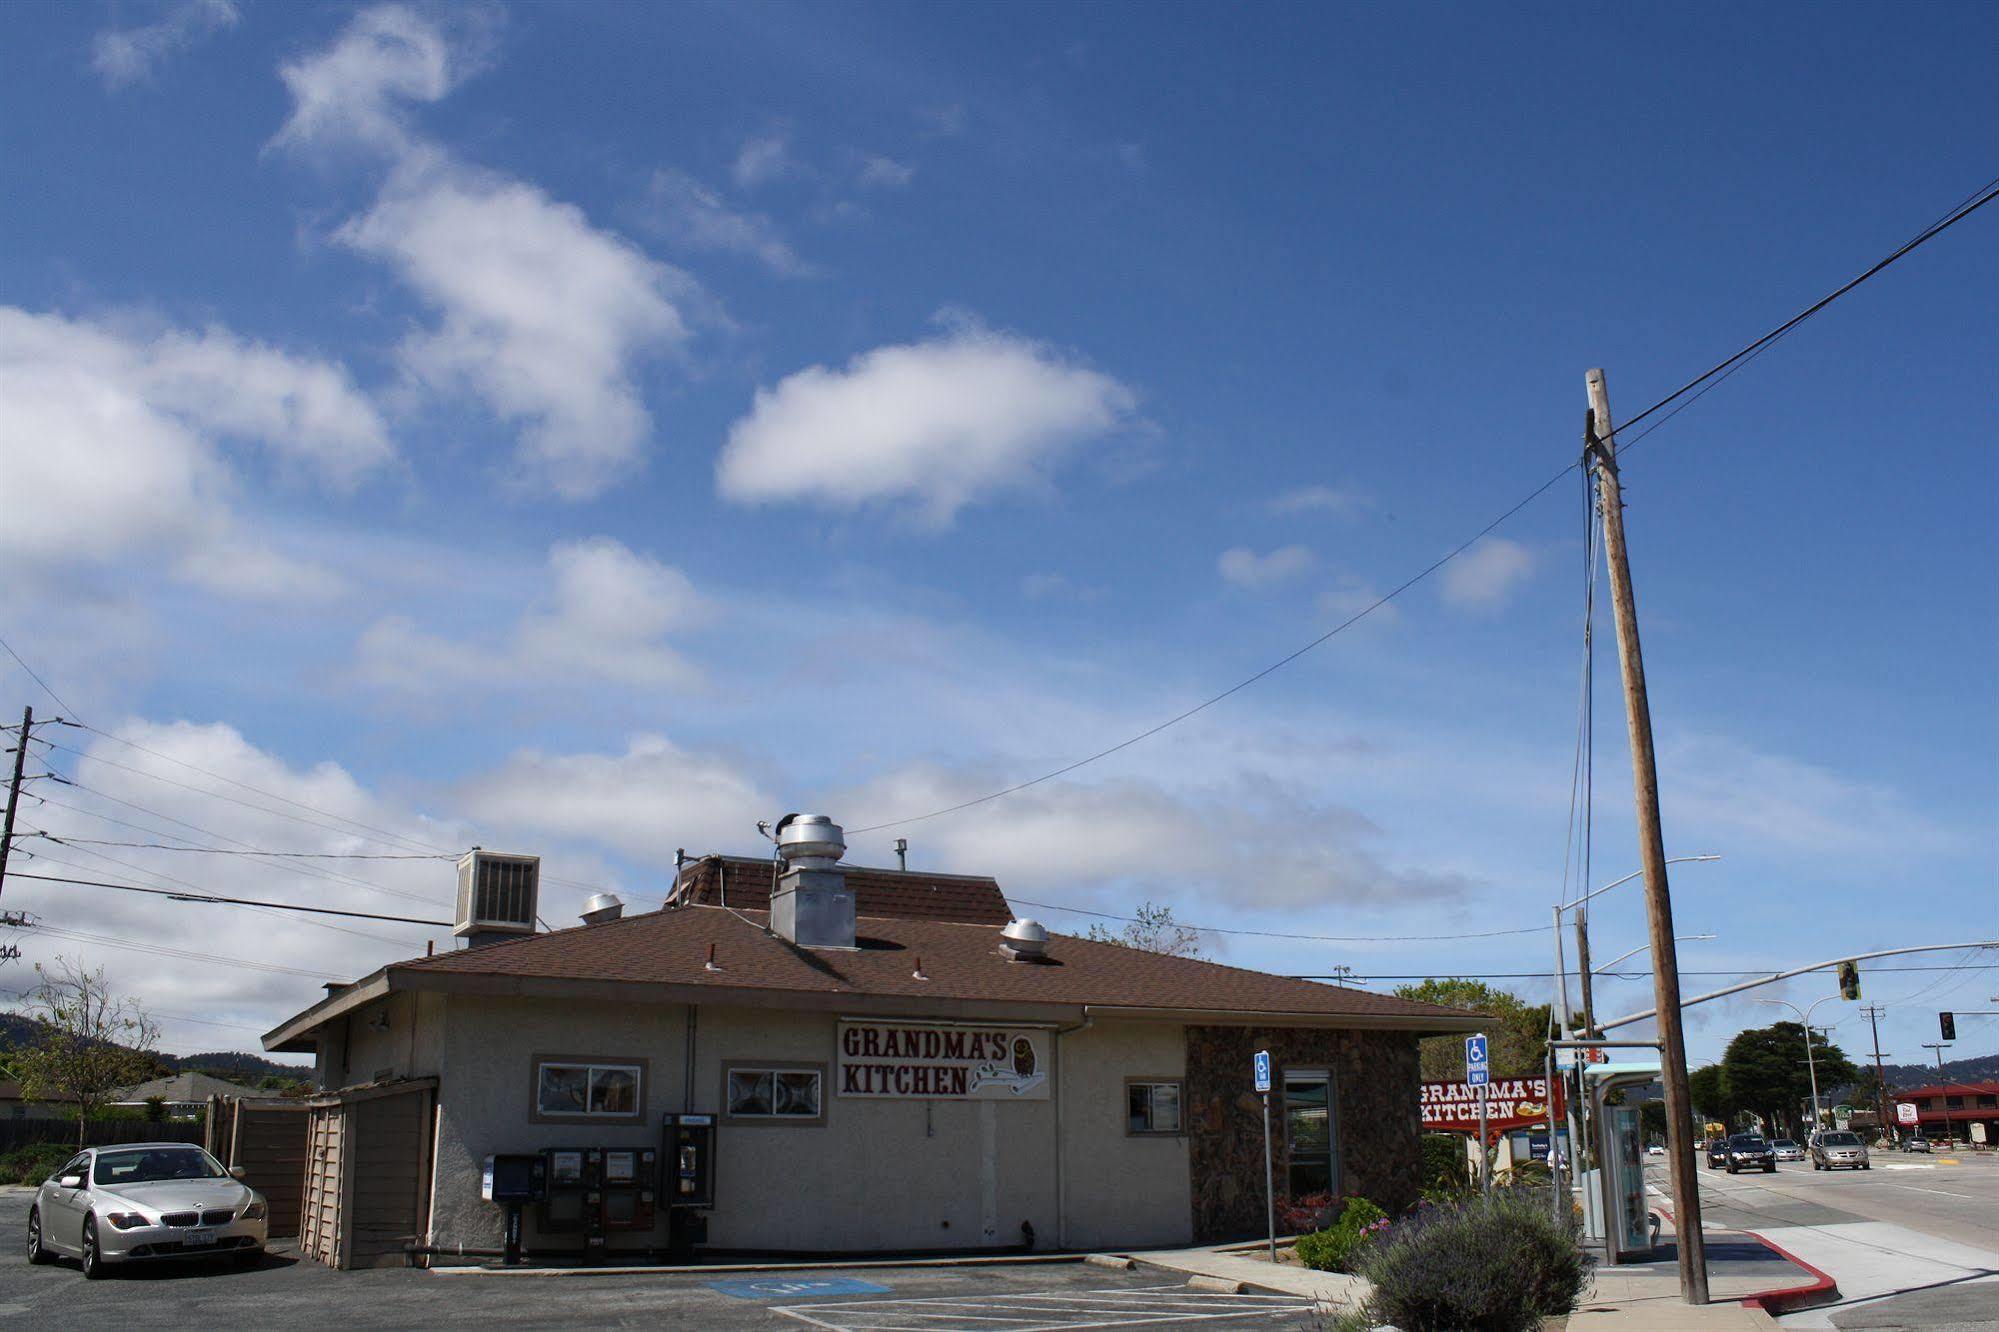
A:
[(602, 907), (1024, 940), (812, 905)]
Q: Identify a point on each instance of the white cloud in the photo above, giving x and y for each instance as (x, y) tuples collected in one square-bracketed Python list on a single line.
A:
[(762, 159), (1485, 577), (646, 802), (936, 424), (355, 90), (884, 172), (541, 316), (688, 213), (1261, 845), (123, 56), (1245, 568), (118, 435), (1318, 499), (606, 617), (1351, 594)]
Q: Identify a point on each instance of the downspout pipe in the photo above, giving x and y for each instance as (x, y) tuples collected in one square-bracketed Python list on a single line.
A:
[(1061, 1143)]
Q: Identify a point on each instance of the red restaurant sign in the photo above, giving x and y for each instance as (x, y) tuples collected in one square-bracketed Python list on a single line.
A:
[(1511, 1103)]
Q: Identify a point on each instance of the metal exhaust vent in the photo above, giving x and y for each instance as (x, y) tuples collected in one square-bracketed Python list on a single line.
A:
[(1024, 940), (811, 904), (497, 896), (602, 907)]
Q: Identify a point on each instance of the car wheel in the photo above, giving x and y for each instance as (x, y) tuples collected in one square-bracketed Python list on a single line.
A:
[(1731, 1167), (1867, 1165), (93, 1261), (36, 1253), (1770, 1169)]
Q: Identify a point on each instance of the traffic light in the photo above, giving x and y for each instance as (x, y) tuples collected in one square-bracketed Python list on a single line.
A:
[(1948, 1021), (1849, 980)]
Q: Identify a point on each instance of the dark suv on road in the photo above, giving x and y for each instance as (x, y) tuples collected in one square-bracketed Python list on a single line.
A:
[(1745, 1150)]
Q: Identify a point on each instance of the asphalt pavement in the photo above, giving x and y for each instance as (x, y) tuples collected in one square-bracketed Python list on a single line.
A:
[(1913, 1242), (286, 1291)]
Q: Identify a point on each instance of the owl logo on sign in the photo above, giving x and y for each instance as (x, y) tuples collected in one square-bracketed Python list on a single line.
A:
[(1018, 1076)]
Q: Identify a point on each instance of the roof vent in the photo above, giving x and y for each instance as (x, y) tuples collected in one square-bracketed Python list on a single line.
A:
[(496, 896), (811, 904), (602, 907), (1024, 940)]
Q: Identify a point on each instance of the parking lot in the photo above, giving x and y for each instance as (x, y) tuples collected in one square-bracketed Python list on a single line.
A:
[(286, 1291)]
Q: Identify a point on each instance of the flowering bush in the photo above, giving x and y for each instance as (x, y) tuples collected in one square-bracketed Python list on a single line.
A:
[(1305, 1213), (1499, 1264), (1337, 1248)]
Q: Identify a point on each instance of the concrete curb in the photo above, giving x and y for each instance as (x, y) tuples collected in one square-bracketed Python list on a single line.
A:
[(1116, 1261), (1216, 1285), (728, 1269), (1823, 1290)]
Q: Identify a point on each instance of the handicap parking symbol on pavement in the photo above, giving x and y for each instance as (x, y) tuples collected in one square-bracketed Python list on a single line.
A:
[(786, 1288)]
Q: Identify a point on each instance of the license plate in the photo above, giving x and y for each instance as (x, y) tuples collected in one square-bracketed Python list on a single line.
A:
[(198, 1238)]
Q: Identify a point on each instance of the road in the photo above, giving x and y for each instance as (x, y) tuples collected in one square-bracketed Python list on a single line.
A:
[(1913, 1243)]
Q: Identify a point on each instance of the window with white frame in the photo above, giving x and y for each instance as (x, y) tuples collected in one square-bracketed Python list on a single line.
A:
[(585, 1089), (1152, 1106), (781, 1094)]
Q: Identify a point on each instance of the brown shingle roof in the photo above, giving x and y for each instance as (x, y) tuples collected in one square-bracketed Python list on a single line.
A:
[(905, 894), (960, 962)]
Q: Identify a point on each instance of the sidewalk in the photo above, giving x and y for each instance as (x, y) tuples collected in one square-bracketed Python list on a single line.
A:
[(1245, 1263)]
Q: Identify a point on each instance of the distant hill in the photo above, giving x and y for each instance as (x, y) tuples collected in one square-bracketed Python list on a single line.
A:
[(231, 1065), (1978, 1068)]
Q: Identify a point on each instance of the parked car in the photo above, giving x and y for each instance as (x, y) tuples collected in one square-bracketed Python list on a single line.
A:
[(1832, 1151), (1917, 1143), (1655, 1150), (1746, 1150), (145, 1201), (1717, 1153), (1787, 1150)]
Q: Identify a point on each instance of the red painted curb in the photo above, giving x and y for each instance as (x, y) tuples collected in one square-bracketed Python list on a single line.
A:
[(1773, 1302)]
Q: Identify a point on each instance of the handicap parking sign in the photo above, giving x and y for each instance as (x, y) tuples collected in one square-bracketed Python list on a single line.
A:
[(1477, 1073), (1262, 1070), (792, 1288)]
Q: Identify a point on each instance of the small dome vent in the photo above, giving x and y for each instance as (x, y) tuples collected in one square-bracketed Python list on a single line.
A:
[(602, 907), (1024, 940)]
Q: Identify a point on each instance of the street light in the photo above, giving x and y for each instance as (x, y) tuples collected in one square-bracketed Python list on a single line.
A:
[(1678, 938), (1582, 942), (1811, 1067)]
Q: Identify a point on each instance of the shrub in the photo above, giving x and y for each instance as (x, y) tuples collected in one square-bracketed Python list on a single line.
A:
[(1445, 1173), (1307, 1212), (1337, 1248), (35, 1162), (1498, 1264)]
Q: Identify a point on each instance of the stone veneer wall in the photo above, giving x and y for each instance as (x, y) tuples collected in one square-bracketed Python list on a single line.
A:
[(1378, 1088)]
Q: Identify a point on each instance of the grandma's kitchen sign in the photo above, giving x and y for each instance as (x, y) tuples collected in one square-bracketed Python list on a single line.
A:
[(1511, 1103), (911, 1062)]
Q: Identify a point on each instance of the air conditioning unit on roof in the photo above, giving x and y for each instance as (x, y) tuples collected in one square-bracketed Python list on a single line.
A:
[(497, 895)]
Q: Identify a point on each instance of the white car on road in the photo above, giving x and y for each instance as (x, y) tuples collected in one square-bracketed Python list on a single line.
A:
[(149, 1200)]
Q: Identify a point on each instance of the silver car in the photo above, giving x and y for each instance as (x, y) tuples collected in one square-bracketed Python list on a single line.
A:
[(1839, 1151), (147, 1200)]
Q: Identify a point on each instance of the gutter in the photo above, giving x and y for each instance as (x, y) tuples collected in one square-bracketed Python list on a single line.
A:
[(1061, 1154)]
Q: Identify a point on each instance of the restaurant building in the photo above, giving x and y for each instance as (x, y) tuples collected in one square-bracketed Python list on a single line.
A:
[(887, 1061), (1960, 1111)]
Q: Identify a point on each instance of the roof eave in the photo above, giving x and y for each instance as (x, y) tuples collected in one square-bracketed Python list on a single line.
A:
[(290, 1036)]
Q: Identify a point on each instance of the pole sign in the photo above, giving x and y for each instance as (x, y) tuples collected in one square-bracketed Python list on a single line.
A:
[(1263, 1070), (1477, 1072), (1905, 1112)]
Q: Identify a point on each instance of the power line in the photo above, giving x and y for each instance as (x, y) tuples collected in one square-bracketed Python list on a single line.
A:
[(31, 675), (236, 901), (1721, 368), (227, 851), (1618, 975), (1285, 934), (62, 932)]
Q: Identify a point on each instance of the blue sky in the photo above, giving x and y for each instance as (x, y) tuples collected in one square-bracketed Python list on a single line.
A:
[(591, 428)]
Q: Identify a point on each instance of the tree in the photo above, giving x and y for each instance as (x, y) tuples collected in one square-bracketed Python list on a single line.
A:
[(1709, 1090), (1516, 1038), (1153, 930), (91, 1042), (1767, 1072)]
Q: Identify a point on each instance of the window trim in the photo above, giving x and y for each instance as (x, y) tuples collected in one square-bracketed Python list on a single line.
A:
[(734, 1066), (640, 1065), (1178, 1084), (1335, 1165)]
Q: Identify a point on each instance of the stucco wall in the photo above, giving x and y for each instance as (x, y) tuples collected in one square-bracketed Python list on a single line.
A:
[(876, 1175), (398, 1036), (1123, 1191)]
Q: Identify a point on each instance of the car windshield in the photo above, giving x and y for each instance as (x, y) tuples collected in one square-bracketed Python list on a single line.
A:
[(1840, 1140), (154, 1164), (1784, 1142), (1746, 1144)]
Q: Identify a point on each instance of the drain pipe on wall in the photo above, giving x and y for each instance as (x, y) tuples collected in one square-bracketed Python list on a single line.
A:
[(1061, 1095), (687, 1079)]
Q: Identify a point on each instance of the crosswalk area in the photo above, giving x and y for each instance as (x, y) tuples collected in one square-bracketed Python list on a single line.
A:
[(1048, 1311)]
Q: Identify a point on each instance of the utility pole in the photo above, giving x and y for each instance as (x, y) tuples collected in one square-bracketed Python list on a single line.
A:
[(1943, 1086), (1874, 1012), (14, 792), (1601, 454), (1583, 969)]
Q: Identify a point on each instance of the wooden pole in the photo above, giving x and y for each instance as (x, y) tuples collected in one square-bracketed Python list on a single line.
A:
[(1691, 1244), (1582, 969), (14, 791), (1893, 1132)]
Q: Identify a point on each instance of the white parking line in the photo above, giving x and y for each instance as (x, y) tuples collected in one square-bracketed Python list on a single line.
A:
[(1043, 1311)]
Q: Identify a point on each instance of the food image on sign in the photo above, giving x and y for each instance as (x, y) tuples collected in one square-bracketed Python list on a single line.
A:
[(923, 1062)]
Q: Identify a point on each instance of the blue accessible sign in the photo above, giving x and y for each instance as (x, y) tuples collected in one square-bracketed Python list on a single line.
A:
[(1263, 1070), (1477, 1072)]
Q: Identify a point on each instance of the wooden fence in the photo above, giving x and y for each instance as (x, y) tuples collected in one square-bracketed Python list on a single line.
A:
[(97, 1132)]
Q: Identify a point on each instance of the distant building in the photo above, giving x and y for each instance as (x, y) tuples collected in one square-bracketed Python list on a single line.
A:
[(185, 1094), (1951, 1109), (15, 1106)]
